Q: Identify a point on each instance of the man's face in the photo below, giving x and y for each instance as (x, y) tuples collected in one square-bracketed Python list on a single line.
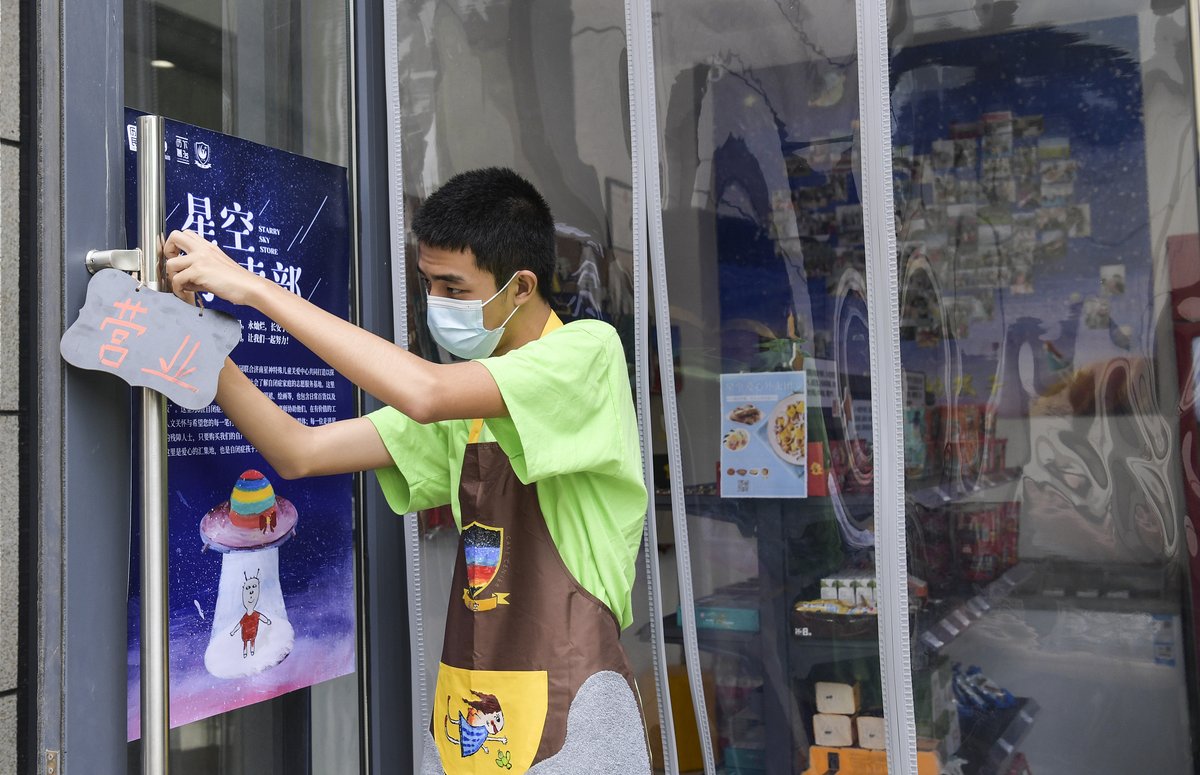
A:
[(453, 274)]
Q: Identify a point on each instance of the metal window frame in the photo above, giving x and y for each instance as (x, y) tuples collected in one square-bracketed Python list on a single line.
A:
[(420, 704), (384, 651), (28, 586)]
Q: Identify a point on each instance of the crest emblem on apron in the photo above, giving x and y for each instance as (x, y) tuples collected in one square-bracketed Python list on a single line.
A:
[(483, 549)]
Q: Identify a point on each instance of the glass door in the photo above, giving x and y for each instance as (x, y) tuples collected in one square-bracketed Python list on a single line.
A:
[(276, 74), (540, 88), (1045, 191), (758, 122)]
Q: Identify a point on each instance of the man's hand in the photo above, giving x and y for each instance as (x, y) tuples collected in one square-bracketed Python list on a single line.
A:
[(196, 265)]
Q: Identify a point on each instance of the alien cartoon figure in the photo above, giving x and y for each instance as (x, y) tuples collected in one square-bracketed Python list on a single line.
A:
[(482, 724), (248, 624)]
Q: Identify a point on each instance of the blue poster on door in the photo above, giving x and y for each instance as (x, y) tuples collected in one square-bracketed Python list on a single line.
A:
[(261, 569)]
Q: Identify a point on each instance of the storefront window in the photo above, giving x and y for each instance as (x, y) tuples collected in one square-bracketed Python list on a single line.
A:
[(1044, 159), (758, 124), (275, 73)]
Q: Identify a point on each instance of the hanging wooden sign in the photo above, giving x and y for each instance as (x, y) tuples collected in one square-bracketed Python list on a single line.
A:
[(151, 339)]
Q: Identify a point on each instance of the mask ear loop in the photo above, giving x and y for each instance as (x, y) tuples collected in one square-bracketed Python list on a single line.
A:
[(510, 317), (494, 295), (502, 289)]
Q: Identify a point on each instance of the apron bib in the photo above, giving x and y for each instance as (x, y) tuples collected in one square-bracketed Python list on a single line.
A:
[(522, 635)]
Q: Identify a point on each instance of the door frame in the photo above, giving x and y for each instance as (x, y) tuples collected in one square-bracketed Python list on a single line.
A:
[(77, 418), (77, 512), (384, 653)]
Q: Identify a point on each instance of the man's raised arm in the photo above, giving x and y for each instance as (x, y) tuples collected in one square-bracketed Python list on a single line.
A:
[(293, 449), (422, 390)]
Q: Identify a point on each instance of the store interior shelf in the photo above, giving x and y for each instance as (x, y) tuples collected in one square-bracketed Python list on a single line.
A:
[(990, 741), (933, 493), (723, 641), (750, 643), (703, 501), (709, 504), (961, 617)]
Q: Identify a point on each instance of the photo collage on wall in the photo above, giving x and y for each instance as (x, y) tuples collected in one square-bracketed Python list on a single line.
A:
[(1021, 207), (989, 206), (829, 216)]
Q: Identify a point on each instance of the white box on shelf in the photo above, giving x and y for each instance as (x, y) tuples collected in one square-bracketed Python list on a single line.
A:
[(871, 732), (837, 698), (864, 589), (833, 730)]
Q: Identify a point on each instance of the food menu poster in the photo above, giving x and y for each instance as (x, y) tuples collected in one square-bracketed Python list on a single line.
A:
[(261, 589), (764, 442)]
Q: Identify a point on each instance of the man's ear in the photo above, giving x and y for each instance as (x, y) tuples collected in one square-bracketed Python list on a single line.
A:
[(526, 283)]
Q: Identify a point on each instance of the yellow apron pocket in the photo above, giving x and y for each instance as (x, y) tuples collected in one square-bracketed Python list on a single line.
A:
[(488, 721)]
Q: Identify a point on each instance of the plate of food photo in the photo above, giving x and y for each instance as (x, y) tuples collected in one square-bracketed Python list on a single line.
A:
[(736, 440), (746, 414), (787, 429)]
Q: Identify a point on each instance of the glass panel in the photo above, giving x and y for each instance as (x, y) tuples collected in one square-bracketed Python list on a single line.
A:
[(275, 73), (552, 104), (269, 71), (758, 121), (1044, 184)]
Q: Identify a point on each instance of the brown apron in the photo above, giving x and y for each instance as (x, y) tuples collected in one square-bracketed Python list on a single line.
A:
[(522, 635)]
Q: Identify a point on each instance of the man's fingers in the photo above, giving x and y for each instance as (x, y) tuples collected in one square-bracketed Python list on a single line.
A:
[(182, 281), (175, 244), (177, 264), (183, 240), (173, 266)]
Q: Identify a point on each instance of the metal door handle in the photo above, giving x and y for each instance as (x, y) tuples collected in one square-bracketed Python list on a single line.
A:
[(125, 260)]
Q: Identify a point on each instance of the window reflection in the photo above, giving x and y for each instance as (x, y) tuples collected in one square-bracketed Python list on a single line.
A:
[(271, 72), (765, 258), (1038, 198)]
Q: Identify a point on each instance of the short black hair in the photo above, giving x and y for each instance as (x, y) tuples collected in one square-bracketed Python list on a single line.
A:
[(500, 216)]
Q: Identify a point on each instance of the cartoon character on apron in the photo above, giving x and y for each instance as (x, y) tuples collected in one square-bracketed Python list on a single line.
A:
[(522, 635), (482, 723)]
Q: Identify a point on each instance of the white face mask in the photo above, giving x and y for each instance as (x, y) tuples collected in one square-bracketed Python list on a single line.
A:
[(457, 325)]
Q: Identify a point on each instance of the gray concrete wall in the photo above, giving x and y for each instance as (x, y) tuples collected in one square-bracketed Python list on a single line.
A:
[(10, 140)]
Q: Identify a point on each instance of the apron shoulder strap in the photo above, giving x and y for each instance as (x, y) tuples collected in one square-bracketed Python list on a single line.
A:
[(552, 323)]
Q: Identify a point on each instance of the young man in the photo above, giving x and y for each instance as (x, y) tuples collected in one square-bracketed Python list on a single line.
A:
[(532, 441)]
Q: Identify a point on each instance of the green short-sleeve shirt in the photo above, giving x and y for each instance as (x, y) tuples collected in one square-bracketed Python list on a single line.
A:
[(571, 429)]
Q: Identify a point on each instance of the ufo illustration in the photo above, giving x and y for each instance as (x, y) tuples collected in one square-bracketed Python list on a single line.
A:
[(247, 530), (253, 518)]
